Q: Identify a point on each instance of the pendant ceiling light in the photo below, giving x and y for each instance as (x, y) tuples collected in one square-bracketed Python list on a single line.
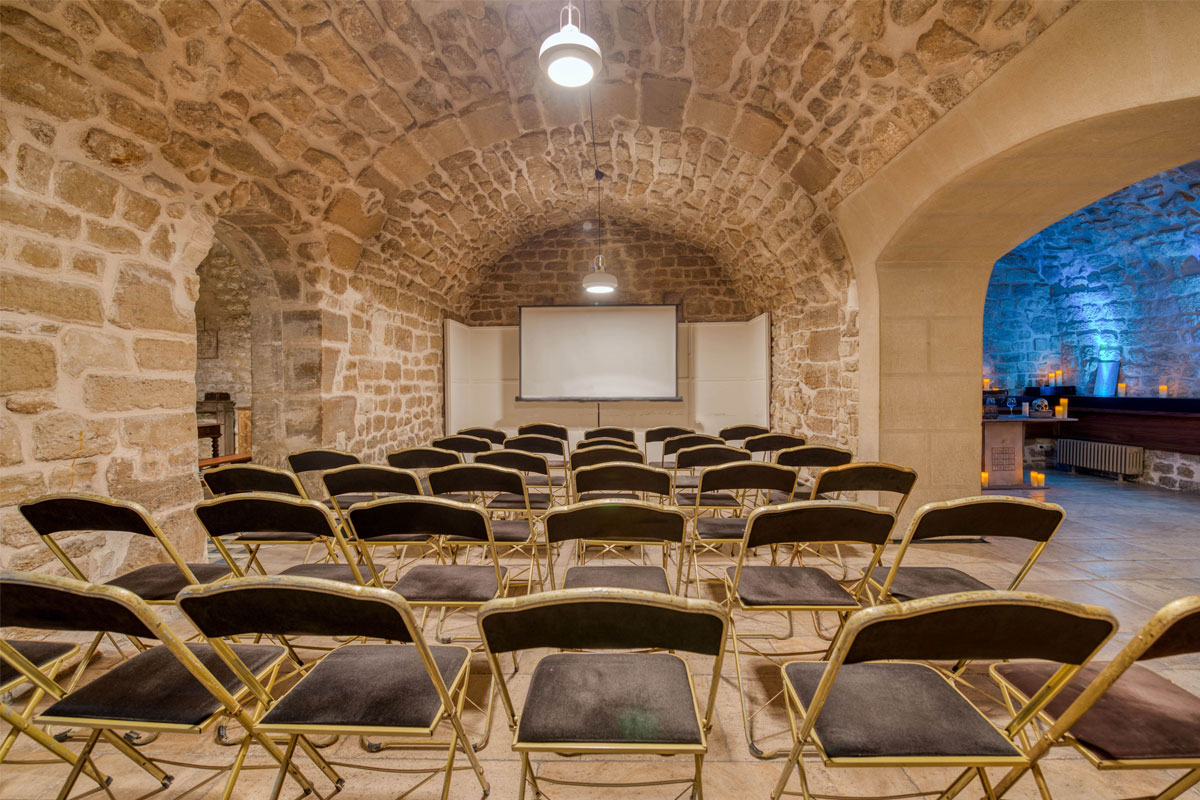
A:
[(597, 281), (570, 57)]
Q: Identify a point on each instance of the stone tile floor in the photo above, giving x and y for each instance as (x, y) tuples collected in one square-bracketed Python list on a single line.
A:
[(1127, 547)]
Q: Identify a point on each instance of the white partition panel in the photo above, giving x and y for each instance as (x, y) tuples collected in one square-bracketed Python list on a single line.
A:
[(723, 379)]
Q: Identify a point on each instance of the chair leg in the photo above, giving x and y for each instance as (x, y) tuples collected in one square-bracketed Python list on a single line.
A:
[(80, 760), (308, 747), (1180, 786), (236, 769), (284, 765), (793, 760), (524, 774), (21, 724), (698, 786), (746, 715)]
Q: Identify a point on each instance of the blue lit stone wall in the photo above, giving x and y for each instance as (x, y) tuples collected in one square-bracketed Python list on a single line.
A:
[(1118, 279)]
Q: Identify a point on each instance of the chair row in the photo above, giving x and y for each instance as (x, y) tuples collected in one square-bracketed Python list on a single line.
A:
[(617, 684)]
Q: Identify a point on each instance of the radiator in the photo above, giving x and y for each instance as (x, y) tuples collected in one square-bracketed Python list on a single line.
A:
[(1122, 459)]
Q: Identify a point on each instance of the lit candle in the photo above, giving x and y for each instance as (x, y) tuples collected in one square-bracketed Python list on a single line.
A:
[(1058, 379), (987, 384), (1120, 390), (1162, 390), (984, 480), (1064, 408), (1025, 409)]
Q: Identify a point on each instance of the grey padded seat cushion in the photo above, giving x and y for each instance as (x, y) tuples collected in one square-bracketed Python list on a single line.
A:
[(382, 686), (895, 709), (514, 502), (687, 482), (330, 572), (542, 480), (668, 464), (650, 579), (789, 586), (711, 499), (721, 527), (1143, 715), (400, 538), (607, 496), (154, 687), (458, 497), (914, 582), (163, 581), (264, 537), (350, 498), (609, 697), (504, 531), (432, 583), (38, 653)]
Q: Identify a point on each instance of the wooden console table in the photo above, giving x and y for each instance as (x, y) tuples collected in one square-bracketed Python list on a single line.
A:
[(212, 432)]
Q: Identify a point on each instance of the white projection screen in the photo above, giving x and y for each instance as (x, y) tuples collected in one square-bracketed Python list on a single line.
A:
[(598, 353)]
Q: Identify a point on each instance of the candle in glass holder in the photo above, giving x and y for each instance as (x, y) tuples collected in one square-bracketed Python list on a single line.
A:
[(984, 480), (1064, 408), (1120, 390), (1024, 409), (1162, 390), (987, 384), (1058, 378)]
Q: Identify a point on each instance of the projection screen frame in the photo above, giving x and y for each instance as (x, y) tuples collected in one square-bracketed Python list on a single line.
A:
[(521, 349)]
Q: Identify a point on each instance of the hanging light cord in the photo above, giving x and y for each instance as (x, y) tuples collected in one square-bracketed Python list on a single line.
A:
[(595, 153)]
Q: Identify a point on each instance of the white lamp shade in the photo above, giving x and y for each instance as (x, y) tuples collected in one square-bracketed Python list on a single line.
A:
[(600, 282), (570, 57)]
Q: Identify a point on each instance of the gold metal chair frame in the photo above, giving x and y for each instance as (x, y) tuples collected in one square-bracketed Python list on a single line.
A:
[(611, 432), (291, 476), (663, 498), (855, 603), (558, 493), (609, 545), (334, 543), (1056, 732), (803, 732), (529, 776), (452, 696), (232, 705)]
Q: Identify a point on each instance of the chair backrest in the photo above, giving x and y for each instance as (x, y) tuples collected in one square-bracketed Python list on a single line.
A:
[(747, 475), (259, 513), (476, 478), (293, 606), (537, 443), (866, 477), (421, 516), (49, 603), (544, 429), (737, 433), (67, 513), (602, 619), (674, 444), (709, 455), (493, 435), (813, 455), (772, 442), (1173, 631), (422, 458), (462, 444), (519, 460), (621, 477), (605, 455), (664, 432), (586, 443), (319, 459), (615, 521), (370, 479), (237, 478), (610, 432), (989, 516), (819, 521)]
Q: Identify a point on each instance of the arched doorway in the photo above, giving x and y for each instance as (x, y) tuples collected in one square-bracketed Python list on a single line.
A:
[(1106, 97)]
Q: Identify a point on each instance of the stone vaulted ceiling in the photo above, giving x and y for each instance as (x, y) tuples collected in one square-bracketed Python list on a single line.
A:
[(427, 130)]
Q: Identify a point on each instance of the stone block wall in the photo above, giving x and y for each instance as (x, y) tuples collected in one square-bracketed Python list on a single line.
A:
[(223, 313), (1119, 279), (1167, 470), (650, 267)]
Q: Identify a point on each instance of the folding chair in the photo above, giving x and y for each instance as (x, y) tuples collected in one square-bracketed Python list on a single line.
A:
[(45, 658), (705, 455), (422, 458), (751, 588), (553, 448), (1119, 715), (362, 483), (601, 442), (545, 429), (991, 516), (447, 587), (674, 444), (733, 489), (771, 443), (809, 456), (501, 492), (631, 702), (493, 435), (258, 520), (534, 467), (609, 432), (237, 478), (870, 703), (403, 688), (319, 460), (591, 456), (463, 445), (612, 524), (740, 433), (622, 481), (174, 687), (660, 434)]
